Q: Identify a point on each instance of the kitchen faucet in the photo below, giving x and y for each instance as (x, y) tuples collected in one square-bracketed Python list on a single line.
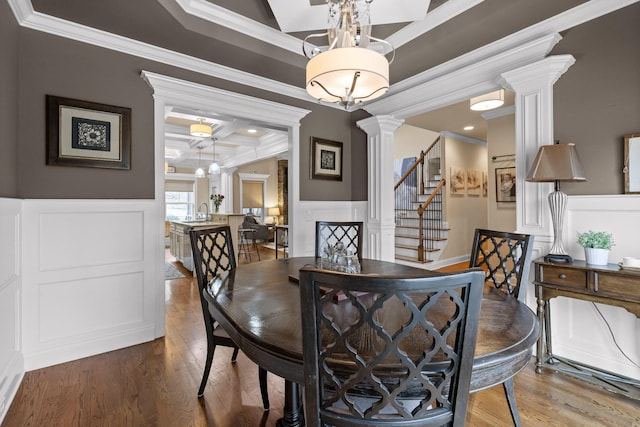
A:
[(206, 207)]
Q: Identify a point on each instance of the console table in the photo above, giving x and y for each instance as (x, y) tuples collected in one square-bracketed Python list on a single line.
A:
[(606, 284)]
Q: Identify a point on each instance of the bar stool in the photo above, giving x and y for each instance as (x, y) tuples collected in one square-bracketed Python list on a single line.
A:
[(247, 243)]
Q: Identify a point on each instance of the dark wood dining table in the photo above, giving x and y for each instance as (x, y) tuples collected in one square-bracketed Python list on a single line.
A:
[(258, 305)]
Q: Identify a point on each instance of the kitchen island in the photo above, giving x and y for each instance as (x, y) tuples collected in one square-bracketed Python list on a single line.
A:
[(179, 243)]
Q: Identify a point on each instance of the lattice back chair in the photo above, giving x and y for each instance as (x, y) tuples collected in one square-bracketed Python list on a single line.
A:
[(331, 232), (505, 257), (388, 351), (213, 254)]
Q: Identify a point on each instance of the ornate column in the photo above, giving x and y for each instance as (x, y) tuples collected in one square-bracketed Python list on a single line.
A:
[(533, 85), (380, 227)]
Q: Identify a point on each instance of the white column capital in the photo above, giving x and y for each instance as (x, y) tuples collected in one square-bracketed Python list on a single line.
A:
[(379, 124), (538, 74)]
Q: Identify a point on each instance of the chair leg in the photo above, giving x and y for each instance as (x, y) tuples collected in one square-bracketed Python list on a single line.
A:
[(511, 399), (234, 356), (211, 348), (262, 377)]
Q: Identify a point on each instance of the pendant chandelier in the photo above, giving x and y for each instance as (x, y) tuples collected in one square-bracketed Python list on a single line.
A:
[(199, 171), (346, 71), (214, 168)]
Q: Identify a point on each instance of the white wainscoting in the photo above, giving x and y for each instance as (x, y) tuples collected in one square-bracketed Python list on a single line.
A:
[(579, 332), (11, 358), (308, 212), (90, 281)]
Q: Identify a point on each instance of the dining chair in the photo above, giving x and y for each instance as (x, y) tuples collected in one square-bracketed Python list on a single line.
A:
[(506, 259), (212, 254), (388, 350), (332, 232)]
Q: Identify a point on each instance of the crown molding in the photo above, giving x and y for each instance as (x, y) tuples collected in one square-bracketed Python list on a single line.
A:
[(28, 18), (236, 22), (499, 112), (196, 95), (439, 15), (438, 89), (418, 85), (464, 138)]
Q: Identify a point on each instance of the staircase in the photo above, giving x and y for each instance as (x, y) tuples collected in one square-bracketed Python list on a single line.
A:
[(420, 231)]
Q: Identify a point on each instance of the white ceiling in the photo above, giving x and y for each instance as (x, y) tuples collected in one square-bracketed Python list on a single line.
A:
[(237, 141)]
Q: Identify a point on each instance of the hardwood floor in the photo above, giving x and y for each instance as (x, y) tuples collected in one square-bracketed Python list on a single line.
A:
[(155, 384)]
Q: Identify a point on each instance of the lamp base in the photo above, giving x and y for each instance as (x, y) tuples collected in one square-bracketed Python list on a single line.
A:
[(558, 259)]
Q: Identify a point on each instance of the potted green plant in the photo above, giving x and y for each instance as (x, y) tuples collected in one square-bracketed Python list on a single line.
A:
[(596, 246)]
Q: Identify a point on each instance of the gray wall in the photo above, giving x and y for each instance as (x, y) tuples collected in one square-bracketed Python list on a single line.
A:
[(8, 103), (53, 65), (597, 100), (334, 125)]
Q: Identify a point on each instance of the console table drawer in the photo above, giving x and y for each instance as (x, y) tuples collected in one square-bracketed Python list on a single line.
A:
[(618, 285), (564, 277)]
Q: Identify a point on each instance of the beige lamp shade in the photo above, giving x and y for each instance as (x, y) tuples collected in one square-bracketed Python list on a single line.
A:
[(557, 162), (273, 211), (487, 101), (330, 75), (200, 129)]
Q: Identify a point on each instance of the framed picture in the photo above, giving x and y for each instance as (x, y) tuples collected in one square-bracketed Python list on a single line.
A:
[(474, 182), (82, 133), (326, 159), (458, 180), (485, 183), (505, 185)]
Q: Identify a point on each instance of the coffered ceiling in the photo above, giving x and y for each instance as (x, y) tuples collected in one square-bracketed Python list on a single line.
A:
[(261, 41)]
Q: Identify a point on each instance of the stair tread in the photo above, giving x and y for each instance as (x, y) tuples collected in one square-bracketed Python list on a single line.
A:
[(415, 227), (411, 259), (409, 236), (415, 248)]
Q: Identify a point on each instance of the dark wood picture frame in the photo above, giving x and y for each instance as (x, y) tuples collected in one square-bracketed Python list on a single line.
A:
[(87, 134), (506, 187), (326, 159)]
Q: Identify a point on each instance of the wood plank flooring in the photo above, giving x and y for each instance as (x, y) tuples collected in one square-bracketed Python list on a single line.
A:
[(155, 384)]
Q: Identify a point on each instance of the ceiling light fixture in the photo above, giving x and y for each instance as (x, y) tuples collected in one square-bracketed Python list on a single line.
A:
[(487, 101), (468, 128), (346, 72), (252, 130), (214, 168), (199, 171), (200, 129)]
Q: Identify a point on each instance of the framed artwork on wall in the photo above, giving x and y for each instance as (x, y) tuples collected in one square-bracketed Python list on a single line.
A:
[(485, 183), (87, 134), (326, 159), (474, 182), (505, 185), (458, 180)]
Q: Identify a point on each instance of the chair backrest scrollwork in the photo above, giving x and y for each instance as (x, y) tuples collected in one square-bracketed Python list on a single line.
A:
[(382, 351)]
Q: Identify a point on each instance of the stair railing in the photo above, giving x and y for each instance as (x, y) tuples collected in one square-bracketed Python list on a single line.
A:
[(410, 185), (433, 234)]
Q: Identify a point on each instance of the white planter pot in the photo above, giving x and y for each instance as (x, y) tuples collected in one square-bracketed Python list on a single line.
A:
[(596, 256)]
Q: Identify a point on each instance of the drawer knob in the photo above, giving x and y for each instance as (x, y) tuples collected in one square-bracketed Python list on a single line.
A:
[(562, 276)]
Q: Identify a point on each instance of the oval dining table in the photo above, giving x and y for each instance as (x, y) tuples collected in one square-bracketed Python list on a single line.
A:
[(258, 305)]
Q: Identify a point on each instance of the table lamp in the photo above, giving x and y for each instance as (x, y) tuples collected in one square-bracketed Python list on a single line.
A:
[(555, 163), (275, 213)]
